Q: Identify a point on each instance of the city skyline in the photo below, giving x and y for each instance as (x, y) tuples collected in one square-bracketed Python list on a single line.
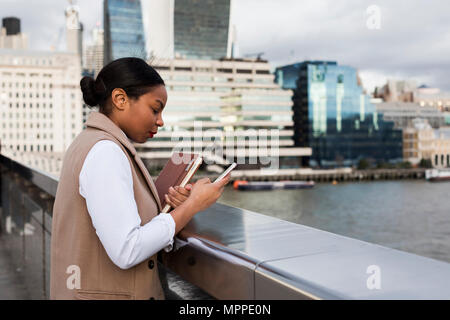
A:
[(296, 33)]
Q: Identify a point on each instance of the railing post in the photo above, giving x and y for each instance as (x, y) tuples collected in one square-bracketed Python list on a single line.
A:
[(48, 204)]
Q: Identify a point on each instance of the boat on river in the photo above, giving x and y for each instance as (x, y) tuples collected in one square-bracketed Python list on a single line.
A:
[(271, 185), (437, 174)]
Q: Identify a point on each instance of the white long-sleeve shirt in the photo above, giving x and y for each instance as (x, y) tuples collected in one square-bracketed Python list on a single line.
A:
[(107, 185)]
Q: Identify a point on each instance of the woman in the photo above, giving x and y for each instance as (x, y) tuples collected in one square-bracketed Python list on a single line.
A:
[(107, 227)]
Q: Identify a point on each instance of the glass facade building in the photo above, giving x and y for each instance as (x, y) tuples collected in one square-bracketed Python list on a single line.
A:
[(123, 30), (334, 117), (201, 28)]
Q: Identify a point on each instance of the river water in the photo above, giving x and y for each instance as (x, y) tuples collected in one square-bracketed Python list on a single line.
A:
[(409, 215)]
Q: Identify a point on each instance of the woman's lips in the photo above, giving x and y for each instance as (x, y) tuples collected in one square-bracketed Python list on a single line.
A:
[(151, 134)]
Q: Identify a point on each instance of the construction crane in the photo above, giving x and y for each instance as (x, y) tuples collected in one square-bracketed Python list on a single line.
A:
[(57, 40)]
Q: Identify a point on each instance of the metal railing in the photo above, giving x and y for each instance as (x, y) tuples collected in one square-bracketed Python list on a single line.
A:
[(231, 253)]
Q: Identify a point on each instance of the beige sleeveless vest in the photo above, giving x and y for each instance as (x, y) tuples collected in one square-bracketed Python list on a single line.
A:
[(80, 266)]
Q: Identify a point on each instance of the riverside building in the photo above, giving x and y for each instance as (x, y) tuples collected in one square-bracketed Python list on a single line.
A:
[(422, 142), (334, 117), (229, 109), (40, 97), (40, 100)]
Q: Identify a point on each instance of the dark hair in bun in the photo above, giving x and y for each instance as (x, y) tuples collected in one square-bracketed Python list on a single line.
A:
[(133, 75), (91, 95)]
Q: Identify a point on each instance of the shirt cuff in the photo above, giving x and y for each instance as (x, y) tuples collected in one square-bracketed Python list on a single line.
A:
[(168, 221)]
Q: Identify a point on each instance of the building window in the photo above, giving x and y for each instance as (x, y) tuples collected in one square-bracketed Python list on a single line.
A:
[(224, 70), (183, 69)]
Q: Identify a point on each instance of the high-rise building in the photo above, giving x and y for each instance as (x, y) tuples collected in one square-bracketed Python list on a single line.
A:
[(158, 18), (124, 31), (397, 91), (93, 53), (189, 29), (229, 110), (334, 117), (202, 29), (10, 35)]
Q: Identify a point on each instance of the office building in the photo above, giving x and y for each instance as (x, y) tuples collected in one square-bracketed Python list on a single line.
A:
[(403, 113), (93, 53), (397, 91), (157, 16), (123, 30), (233, 107), (441, 152), (40, 100), (334, 117), (188, 29), (202, 29), (422, 142)]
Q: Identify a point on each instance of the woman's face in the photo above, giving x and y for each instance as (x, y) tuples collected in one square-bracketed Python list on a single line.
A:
[(141, 118)]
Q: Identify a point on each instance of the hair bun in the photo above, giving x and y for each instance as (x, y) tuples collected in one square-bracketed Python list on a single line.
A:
[(92, 95)]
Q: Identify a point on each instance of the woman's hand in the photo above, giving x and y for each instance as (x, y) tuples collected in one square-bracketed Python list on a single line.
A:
[(177, 195), (202, 195), (205, 193)]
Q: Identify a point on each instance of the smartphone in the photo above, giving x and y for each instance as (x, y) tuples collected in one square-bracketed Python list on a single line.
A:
[(233, 165)]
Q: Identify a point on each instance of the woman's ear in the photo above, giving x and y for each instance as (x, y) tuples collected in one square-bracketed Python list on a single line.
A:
[(119, 99)]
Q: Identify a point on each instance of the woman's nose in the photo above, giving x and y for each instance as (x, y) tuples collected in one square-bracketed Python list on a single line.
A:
[(160, 122)]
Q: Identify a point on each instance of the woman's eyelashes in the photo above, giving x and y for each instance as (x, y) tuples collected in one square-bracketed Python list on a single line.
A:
[(155, 111)]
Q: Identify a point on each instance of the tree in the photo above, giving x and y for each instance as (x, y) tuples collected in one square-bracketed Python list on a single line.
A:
[(405, 165), (425, 163), (363, 164)]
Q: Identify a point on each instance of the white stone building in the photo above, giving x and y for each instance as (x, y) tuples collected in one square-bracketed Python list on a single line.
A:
[(40, 100)]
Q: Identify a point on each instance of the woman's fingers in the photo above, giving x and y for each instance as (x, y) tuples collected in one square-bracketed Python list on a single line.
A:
[(179, 194), (173, 202), (183, 191)]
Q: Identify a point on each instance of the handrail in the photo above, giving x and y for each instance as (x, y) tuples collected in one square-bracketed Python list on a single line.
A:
[(233, 253), (45, 181)]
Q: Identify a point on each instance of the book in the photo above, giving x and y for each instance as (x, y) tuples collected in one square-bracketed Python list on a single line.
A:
[(178, 171)]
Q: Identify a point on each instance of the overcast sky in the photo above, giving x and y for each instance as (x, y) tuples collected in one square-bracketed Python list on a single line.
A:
[(412, 41)]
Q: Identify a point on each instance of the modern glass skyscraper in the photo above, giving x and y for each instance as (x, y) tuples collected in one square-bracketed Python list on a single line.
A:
[(201, 29), (334, 117), (124, 31)]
